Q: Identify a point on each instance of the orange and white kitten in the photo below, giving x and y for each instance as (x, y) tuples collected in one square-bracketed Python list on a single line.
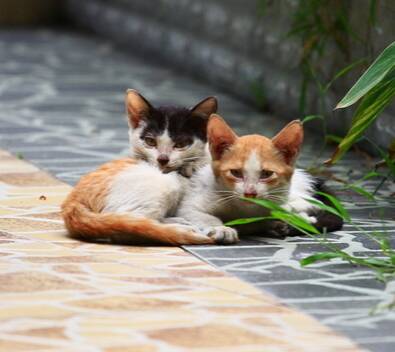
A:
[(251, 166), (130, 200)]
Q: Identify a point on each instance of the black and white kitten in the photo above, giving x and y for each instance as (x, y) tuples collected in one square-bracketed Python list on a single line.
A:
[(172, 138), (132, 200)]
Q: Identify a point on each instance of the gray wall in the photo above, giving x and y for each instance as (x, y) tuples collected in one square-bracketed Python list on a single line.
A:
[(231, 45)]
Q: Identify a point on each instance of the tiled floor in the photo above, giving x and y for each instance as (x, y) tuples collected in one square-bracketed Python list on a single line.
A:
[(58, 294), (61, 107)]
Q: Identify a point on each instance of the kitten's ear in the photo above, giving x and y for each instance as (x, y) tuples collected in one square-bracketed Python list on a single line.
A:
[(289, 141), (137, 107), (206, 107), (220, 136)]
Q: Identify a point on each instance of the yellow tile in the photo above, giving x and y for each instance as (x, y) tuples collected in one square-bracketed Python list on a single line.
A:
[(219, 297), (120, 269), (16, 166), (39, 311)]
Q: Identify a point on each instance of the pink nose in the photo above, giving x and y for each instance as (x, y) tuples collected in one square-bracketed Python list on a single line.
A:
[(163, 159), (250, 194)]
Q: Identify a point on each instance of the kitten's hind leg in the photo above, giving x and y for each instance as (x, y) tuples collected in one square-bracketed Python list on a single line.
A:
[(327, 221)]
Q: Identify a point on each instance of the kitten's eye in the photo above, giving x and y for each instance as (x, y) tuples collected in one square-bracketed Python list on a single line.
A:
[(150, 141), (266, 174), (238, 173), (182, 143)]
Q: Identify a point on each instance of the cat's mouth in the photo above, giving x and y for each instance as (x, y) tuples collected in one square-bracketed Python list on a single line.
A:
[(166, 169)]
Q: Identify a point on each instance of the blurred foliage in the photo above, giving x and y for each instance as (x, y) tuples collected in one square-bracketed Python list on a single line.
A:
[(376, 88), (319, 25)]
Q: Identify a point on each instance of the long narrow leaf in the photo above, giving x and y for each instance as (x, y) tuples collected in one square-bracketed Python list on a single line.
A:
[(371, 106), (344, 71), (319, 257), (295, 221), (361, 191), (244, 221), (311, 118), (324, 207), (384, 63), (264, 203), (336, 203)]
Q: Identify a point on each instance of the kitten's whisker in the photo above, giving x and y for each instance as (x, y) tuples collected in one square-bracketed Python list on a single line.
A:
[(190, 158), (224, 192), (278, 190), (224, 200)]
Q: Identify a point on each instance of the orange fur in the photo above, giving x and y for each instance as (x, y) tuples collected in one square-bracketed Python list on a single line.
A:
[(83, 217), (277, 154)]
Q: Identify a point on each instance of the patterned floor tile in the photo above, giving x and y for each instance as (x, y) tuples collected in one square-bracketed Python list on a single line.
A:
[(58, 294), (62, 108)]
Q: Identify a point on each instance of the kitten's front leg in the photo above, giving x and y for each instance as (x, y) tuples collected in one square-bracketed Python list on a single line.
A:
[(302, 208), (211, 226)]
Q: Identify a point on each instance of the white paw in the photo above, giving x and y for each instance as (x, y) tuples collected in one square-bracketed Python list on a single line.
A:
[(224, 235), (310, 219), (298, 205)]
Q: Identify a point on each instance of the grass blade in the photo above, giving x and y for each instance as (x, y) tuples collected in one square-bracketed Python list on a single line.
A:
[(244, 221), (384, 63), (369, 109), (320, 257), (337, 205)]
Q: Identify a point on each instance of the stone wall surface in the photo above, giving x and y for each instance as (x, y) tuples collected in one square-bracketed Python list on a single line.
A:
[(231, 45)]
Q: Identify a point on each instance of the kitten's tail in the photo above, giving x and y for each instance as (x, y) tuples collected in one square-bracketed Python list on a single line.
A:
[(83, 223)]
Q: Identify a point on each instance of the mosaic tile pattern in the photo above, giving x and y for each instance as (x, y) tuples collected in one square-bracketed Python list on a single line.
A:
[(69, 120), (349, 299), (61, 99), (58, 294)]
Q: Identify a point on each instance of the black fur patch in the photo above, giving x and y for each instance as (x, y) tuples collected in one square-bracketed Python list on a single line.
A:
[(181, 123), (325, 220)]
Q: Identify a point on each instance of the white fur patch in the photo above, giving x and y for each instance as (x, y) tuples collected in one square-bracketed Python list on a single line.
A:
[(252, 166), (144, 190), (301, 189), (164, 144)]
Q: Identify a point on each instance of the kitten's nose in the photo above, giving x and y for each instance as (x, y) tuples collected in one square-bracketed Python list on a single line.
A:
[(250, 194), (163, 159)]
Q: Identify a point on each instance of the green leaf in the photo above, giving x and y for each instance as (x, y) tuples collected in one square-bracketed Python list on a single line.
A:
[(264, 203), (320, 256), (379, 262), (244, 221), (361, 191), (371, 106), (385, 245), (373, 12), (344, 71), (336, 203), (324, 207), (384, 63), (333, 138), (370, 175), (311, 118), (278, 213), (295, 221)]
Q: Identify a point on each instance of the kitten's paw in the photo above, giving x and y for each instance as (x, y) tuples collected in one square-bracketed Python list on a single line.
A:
[(278, 228), (224, 235), (296, 207), (308, 218)]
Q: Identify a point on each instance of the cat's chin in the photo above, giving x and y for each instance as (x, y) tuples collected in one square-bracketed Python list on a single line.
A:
[(167, 170)]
